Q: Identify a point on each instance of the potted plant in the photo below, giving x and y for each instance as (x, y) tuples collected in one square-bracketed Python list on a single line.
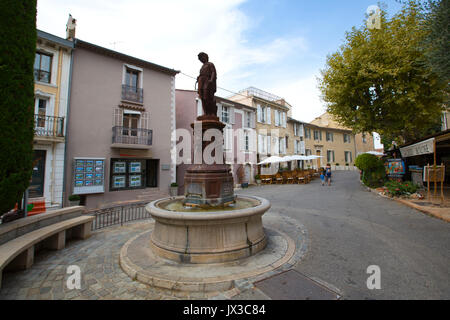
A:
[(258, 179), (174, 189), (336, 166), (241, 177), (74, 200)]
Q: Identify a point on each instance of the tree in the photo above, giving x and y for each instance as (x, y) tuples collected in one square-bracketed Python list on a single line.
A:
[(18, 43), (379, 80), (437, 40)]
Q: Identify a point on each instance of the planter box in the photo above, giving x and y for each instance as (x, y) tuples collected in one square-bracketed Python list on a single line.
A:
[(173, 191)]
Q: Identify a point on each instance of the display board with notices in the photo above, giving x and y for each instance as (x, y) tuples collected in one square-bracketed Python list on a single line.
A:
[(88, 175)]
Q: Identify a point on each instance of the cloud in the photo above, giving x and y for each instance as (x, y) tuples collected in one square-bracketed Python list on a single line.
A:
[(173, 32), (303, 95)]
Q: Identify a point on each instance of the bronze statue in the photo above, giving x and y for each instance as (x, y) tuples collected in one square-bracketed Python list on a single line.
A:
[(207, 85)]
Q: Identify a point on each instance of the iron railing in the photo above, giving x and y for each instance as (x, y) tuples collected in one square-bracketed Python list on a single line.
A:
[(48, 126), (41, 75), (130, 93), (119, 214), (132, 136)]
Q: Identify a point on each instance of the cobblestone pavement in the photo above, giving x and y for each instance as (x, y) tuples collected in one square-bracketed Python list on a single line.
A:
[(98, 259)]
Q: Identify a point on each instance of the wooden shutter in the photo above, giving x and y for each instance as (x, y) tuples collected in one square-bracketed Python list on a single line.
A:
[(118, 117), (232, 119), (258, 112), (219, 111), (144, 120)]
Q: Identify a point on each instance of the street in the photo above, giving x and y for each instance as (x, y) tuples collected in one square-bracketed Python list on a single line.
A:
[(350, 229)]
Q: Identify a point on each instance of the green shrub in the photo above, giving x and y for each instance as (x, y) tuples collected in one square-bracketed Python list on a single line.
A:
[(257, 177), (366, 162), (396, 189), (374, 173), (18, 42), (74, 197), (174, 184)]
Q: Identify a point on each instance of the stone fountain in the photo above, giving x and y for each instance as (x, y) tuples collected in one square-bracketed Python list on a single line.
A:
[(206, 240), (209, 224)]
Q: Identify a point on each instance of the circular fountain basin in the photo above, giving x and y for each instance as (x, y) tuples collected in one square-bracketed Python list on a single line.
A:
[(195, 235)]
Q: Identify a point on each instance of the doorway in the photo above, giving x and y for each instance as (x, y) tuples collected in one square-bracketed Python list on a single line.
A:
[(152, 173), (36, 188), (319, 163)]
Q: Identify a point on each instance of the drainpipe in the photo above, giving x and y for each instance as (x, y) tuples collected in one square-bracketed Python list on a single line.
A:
[(67, 124)]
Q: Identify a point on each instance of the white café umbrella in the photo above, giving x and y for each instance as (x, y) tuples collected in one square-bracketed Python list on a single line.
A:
[(298, 157), (312, 157), (375, 153), (272, 159)]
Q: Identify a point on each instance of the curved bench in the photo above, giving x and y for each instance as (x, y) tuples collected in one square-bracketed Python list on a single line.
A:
[(19, 252)]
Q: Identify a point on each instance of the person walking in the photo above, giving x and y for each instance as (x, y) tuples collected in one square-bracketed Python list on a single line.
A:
[(322, 176), (328, 173)]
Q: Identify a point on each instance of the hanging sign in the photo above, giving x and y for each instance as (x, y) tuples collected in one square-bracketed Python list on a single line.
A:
[(417, 149)]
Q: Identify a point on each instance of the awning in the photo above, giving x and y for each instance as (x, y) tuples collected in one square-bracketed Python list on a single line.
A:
[(417, 149), (127, 111)]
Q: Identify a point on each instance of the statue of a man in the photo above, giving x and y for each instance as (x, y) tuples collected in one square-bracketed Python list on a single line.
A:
[(207, 85)]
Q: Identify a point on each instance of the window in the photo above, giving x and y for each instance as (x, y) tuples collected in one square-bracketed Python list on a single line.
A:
[(348, 157), (364, 140), (41, 106), (261, 113), (307, 133), (247, 141), (42, 67), (282, 145), (330, 155), (132, 79), (248, 119), (308, 152), (225, 114), (330, 136), (132, 84), (128, 174), (346, 137), (130, 124), (317, 135)]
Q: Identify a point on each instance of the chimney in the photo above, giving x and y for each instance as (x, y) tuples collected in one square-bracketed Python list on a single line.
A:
[(70, 28)]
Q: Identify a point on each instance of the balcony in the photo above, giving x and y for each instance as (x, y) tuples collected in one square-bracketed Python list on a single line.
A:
[(130, 138), (41, 75), (132, 94), (48, 128)]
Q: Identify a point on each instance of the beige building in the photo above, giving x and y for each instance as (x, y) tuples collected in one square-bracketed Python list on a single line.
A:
[(272, 130), (364, 142), (51, 90)]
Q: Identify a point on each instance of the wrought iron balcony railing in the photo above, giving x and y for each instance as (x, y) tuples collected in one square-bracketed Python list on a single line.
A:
[(41, 75), (132, 136), (48, 126), (132, 94)]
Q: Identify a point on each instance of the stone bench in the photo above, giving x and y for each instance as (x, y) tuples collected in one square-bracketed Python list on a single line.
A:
[(18, 253)]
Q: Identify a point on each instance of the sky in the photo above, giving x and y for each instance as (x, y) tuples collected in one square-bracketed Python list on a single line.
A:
[(278, 46)]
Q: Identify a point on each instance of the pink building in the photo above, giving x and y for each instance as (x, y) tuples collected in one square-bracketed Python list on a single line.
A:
[(239, 134), (121, 119)]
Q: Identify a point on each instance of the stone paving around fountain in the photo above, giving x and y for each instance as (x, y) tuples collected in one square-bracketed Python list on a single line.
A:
[(103, 278)]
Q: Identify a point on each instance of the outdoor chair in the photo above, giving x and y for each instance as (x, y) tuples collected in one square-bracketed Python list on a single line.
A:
[(301, 177), (279, 178), (288, 178)]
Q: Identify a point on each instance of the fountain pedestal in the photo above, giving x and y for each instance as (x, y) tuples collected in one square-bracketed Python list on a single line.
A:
[(209, 185)]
